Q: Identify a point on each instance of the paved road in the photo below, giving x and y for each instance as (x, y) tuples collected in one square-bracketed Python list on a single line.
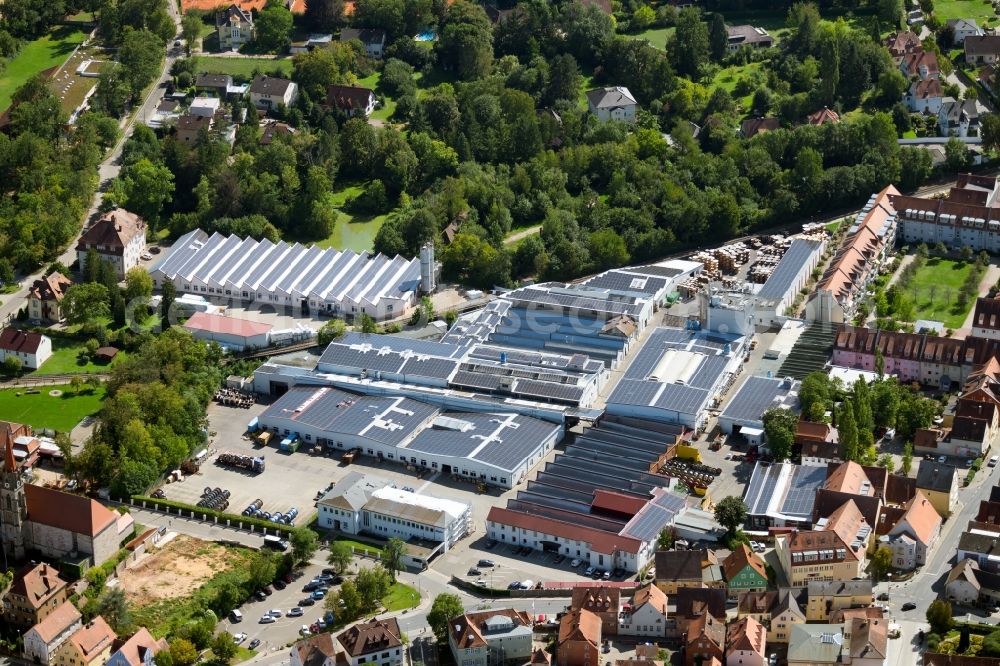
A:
[(107, 171)]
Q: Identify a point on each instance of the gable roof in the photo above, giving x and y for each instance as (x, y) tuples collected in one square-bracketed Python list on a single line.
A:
[(580, 625), (37, 583), (708, 626), (756, 601), (73, 513), (348, 97), (964, 570), (747, 634), (611, 97), (113, 231), (652, 595), (741, 558), (214, 323), (934, 476), (16, 340), (921, 517), (926, 89), (52, 287), (692, 601), (790, 600), (678, 565), (912, 62), (270, 85), (899, 43), (977, 45), (869, 638), (232, 14), (751, 127), (141, 642), (470, 630), (56, 622), (93, 638), (822, 117), (368, 637), (316, 650), (365, 35), (597, 599)]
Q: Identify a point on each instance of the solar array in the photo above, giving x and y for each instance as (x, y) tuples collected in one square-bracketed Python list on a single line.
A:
[(756, 396), (588, 300), (620, 280), (783, 489), (788, 269), (240, 268), (650, 521)]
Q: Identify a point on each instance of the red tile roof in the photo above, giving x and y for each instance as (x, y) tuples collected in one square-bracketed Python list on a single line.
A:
[(52, 287), (599, 540), (37, 584), (140, 643), (113, 231), (617, 502), (63, 617), (73, 513), (580, 625)]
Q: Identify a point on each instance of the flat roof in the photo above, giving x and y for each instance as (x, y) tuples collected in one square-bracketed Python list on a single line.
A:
[(759, 394), (784, 490), (407, 500)]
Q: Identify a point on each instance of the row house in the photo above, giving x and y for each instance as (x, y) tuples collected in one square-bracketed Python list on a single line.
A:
[(776, 611)]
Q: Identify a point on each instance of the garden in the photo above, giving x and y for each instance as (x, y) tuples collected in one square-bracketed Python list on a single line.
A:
[(58, 408), (37, 56)]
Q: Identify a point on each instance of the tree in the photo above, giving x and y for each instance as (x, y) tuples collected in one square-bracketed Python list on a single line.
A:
[(815, 394), (466, 41), (731, 513), (113, 606), (262, 570), (779, 430), (144, 188), (956, 155), (665, 541), (881, 562), (990, 131), (85, 302), (341, 554), (939, 616), (367, 324), (907, 462), (847, 428), (223, 647), (718, 37), (167, 296), (324, 15), (183, 652), (642, 18), (991, 644), (330, 331), (11, 365), (190, 30), (273, 28), (890, 13), (304, 543), (691, 46), (140, 56), (138, 285), (445, 608), (392, 556), (607, 250), (372, 585)]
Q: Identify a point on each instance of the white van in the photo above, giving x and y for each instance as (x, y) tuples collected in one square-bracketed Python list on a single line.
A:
[(527, 584), (993, 461), (235, 615)]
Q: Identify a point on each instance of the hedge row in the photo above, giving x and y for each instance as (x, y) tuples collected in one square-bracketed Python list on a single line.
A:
[(208, 514)]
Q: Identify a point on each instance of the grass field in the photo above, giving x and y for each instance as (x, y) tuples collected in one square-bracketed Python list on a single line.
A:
[(43, 411), (655, 36), (37, 56), (352, 232), (64, 360), (935, 288), (728, 77), (400, 597), (384, 112), (968, 9), (243, 68), (358, 545)]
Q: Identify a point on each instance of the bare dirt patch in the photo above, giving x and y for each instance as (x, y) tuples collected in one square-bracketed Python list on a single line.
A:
[(174, 571)]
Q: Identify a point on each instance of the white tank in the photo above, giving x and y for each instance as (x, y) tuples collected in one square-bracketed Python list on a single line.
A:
[(428, 280)]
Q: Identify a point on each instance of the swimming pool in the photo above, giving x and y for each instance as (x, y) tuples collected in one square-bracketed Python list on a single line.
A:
[(428, 36)]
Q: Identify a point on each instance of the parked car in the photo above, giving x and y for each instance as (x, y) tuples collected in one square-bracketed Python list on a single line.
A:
[(574, 563), (560, 558), (908, 606), (514, 585), (993, 461), (318, 594), (279, 584), (330, 572), (884, 596), (942, 459), (275, 612), (968, 462), (607, 575), (268, 590), (475, 572), (308, 601), (486, 563), (589, 571), (254, 643), (304, 630), (266, 619), (259, 595), (295, 612), (239, 638)]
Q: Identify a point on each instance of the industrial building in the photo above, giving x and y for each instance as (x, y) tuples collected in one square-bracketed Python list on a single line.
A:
[(789, 276), (677, 375), (602, 500), (742, 414), (495, 448), (229, 332), (782, 494), (307, 279), (366, 504)]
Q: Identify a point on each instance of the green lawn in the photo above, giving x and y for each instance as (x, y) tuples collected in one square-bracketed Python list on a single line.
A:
[(400, 597), (655, 36), (352, 232), (384, 112), (64, 360), (37, 56), (934, 290), (728, 77), (40, 410), (243, 68), (358, 545), (968, 9)]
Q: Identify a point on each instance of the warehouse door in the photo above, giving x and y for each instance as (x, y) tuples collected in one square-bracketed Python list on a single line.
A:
[(305, 306)]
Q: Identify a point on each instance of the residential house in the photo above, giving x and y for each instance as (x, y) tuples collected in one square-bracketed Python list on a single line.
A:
[(235, 27), (958, 118), (815, 645), (963, 29), (678, 568), (925, 96), (273, 132), (374, 642), (118, 237), (711, 571), (987, 76), (939, 483), (217, 84), (646, 614), (612, 103), (189, 126), (827, 596), (817, 442), (352, 100), (36, 591), (920, 65), (822, 117), (982, 49), (786, 613), (836, 551), (373, 39), (45, 298), (968, 584), (490, 637), (314, 41), (579, 640), (318, 650), (204, 106), (746, 643), (705, 640), (602, 601), (868, 641), (90, 645), (914, 534), (982, 544), (756, 604), (747, 35), (270, 92), (901, 43), (744, 570), (30, 349), (141, 647), (43, 639), (751, 127)]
